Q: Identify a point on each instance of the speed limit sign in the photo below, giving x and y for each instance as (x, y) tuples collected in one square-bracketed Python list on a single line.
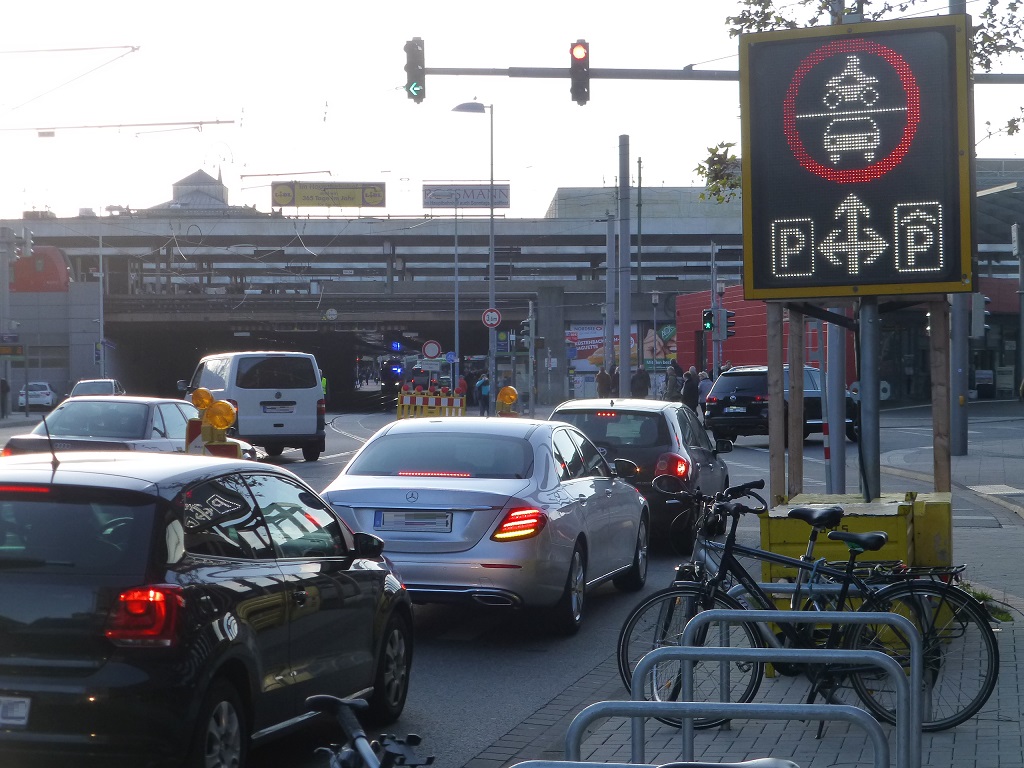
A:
[(491, 317)]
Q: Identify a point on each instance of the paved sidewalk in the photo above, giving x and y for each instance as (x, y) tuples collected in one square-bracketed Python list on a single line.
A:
[(993, 739)]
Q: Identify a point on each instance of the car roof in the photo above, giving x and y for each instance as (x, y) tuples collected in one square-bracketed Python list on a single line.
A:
[(107, 399), (759, 369), (94, 381), (620, 403), (161, 474), (493, 425)]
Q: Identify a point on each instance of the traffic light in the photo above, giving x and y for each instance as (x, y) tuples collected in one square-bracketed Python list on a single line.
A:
[(708, 320), (723, 324), (524, 333), (579, 71), (979, 315), (415, 70)]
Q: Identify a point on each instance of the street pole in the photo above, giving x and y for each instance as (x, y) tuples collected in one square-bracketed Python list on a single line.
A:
[(492, 333), (103, 346), (625, 271), (458, 360)]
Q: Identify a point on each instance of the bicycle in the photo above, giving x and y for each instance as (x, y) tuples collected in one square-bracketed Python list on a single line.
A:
[(961, 655), (358, 751)]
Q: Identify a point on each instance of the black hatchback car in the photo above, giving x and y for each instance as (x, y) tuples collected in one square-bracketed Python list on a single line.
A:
[(161, 609), (738, 403), (661, 437)]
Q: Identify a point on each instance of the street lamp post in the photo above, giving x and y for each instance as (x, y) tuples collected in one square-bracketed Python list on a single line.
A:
[(492, 333)]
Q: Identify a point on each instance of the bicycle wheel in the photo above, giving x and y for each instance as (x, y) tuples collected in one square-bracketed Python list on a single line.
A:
[(659, 621), (961, 657)]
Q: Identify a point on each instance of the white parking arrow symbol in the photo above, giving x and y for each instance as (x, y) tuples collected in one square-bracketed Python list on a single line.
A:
[(855, 245)]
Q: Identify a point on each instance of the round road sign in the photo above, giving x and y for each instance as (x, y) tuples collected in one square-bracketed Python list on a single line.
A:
[(431, 350), (491, 317)]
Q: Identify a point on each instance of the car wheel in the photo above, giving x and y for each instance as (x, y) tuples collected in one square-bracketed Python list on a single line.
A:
[(634, 579), (221, 739), (310, 452), (391, 683), (274, 450), (567, 615), (853, 432)]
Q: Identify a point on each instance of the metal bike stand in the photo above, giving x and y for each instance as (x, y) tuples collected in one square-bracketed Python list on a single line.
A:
[(908, 729)]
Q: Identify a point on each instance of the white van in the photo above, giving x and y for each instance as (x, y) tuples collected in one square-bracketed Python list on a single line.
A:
[(279, 397)]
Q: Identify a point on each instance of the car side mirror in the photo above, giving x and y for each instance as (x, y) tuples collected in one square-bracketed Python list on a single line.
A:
[(182, 385), (723, 446), (368, 545), (625, 468)]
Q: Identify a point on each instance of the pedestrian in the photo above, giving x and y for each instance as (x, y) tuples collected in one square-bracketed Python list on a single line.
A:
[(604, 383), (323, 385), (704, 384), (614, 375), (673, 382), (483, 393), (640, 383), (462, 388), (690, 392), (5, 390)]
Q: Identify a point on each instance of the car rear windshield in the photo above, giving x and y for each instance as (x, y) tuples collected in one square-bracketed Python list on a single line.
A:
[(62, 530), (752, 384), (88, 418), (611, 428), (431, 454), (93, 388), (276, 373)]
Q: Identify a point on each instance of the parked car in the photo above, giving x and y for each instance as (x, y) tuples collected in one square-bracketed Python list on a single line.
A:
[(499, 512), (40, 395), (113, 423), (738, 403), (158, 610), (97, 387), (661, 437)]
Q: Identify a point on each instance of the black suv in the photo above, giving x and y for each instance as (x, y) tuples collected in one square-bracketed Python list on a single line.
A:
[(160, 609), (738, 403)]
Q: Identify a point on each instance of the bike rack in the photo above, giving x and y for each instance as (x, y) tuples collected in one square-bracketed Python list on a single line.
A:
[(908, 729)]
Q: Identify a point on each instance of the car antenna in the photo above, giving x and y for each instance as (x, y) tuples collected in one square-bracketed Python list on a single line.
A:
[(49, 441)]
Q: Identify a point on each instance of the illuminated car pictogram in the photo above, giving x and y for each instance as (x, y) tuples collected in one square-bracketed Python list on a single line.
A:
[(851, 85), (852, 134)]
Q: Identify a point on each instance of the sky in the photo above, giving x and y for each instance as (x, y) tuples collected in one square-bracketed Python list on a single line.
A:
[(313, 90)]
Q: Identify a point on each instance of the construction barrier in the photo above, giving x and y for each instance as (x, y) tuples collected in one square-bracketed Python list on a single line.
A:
[(411, 406)]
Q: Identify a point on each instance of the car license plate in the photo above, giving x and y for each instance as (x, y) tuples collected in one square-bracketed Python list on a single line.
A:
[(734, 409), (404, 520), (278, 408), (14, 711)]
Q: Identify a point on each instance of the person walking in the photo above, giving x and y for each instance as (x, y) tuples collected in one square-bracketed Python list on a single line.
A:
[(483, 393), (673, 382), (704, 384), (640, 383), (690, 392), (604, 383)]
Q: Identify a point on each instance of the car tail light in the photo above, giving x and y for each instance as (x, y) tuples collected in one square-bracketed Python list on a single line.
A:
[(426, 473), (321, 407), (146, 617), (672, 464), (711, 399), (13, 488), (521, 523)]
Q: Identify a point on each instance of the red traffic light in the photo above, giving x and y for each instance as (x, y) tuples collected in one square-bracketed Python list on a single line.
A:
[(579, 51)]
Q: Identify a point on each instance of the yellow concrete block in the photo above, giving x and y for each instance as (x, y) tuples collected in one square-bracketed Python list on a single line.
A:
[(890, 513), (933, 529)]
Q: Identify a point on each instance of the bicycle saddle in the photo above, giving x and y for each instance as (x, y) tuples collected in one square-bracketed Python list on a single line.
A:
[(871, 541), (818, 517)]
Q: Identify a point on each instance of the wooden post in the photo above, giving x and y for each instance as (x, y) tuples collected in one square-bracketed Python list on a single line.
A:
[(938, 343), (776, 408), (795, 420)]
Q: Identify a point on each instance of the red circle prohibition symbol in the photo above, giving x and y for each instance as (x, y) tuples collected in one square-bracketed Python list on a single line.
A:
[(875, 169)]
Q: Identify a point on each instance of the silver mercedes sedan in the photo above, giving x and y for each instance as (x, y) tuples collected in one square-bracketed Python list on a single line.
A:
[(498, 511)]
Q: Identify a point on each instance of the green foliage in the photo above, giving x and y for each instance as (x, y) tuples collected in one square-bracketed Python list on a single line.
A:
[(998, 34)]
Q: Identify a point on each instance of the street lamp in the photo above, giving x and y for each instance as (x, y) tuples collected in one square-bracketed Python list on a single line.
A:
[(492, 333)]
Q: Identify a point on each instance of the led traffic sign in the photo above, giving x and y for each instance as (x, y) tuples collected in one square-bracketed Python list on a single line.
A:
[(856, 160), (415, 70), (579, 71)]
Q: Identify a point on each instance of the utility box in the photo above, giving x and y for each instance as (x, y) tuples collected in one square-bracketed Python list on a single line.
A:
[(933, 529), (892, 513)]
